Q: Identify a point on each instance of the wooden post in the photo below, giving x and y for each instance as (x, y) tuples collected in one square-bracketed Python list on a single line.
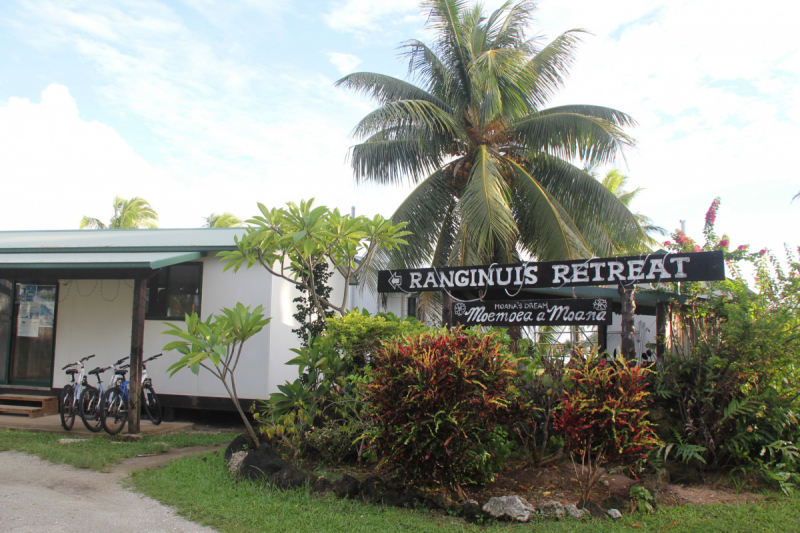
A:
[(628, 345), (137, 348), (661, 328), (447, 310), (602, 338)]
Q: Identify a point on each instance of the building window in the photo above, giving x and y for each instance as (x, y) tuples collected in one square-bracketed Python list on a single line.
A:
[(174, 292), (412, 306)]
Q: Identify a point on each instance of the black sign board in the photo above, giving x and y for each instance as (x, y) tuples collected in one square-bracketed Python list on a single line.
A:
[(562, 312), (698, 266)]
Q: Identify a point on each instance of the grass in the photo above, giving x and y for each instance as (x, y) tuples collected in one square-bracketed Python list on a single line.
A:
[(99, 452), (203, 491)]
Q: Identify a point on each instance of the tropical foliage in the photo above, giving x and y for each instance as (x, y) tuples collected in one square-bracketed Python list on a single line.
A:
[(128, 214), (602, 417), (615, 182), (492, 164), (439, 402), (224, 220), (216, 345), (290, 242)]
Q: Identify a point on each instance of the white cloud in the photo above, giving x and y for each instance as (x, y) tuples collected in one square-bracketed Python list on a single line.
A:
[(369, 16), (344, 63)]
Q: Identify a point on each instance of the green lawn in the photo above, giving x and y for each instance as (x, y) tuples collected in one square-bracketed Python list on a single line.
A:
[(100, 451), (203, 491)]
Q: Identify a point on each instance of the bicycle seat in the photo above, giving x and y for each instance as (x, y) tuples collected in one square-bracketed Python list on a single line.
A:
[(98, 370), (72, 371)]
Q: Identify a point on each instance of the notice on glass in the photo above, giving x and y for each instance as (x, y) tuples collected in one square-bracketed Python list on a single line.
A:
[(28, 320)]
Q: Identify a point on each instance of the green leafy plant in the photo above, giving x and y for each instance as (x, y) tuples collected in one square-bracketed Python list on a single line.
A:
[(602, 417), (312, 324), (641, 500), (216, 345), (290, 242), (438, 401)]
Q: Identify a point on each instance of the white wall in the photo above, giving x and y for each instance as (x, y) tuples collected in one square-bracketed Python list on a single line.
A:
[(364, 299), (645, 332), (94, 316)]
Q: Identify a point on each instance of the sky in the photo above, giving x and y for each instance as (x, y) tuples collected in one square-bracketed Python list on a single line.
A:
[(204, 106)]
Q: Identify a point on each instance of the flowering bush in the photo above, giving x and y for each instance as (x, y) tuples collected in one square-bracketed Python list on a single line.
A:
[(438, 401), (603, 417)]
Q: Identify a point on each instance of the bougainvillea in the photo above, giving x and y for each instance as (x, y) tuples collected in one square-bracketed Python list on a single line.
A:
[(603, 417), (439, 401)]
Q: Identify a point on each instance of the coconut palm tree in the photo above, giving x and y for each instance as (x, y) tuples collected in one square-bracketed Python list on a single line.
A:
[(135, 213), (615, 182), (225, 220), (493, 166)]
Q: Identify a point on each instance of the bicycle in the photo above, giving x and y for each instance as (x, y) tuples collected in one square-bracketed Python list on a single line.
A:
[(91, 400), (114, 401), (150, 403), (70, 394)]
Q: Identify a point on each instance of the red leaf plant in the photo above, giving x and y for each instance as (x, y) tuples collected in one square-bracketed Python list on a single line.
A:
[(602, 419)]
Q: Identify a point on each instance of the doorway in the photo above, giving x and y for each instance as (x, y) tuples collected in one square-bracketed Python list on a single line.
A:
[(27, 332)]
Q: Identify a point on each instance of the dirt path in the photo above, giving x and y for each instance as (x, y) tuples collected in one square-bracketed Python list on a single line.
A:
[(39, 496)]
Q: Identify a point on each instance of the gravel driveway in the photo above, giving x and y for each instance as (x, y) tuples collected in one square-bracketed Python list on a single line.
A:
[(39, 496)]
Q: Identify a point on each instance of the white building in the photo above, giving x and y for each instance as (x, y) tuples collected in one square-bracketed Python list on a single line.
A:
[(68, 294)]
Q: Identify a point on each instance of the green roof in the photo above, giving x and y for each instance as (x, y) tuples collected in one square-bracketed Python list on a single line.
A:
[(105, 260), (121, 240)]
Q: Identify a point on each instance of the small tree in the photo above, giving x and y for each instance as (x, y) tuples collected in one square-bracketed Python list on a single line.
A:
[(312, 324), (290, 242), (603, 417), (218, 341)]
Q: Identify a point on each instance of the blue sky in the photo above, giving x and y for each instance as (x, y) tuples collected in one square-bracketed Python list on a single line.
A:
[(205, 105)]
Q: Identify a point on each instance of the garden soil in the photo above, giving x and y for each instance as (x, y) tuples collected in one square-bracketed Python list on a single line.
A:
[(39, 496)]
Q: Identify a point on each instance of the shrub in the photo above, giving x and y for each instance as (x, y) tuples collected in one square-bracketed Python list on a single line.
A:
[(439, 401), (603, 417), (357, 335), (732, 390), (335, 442)]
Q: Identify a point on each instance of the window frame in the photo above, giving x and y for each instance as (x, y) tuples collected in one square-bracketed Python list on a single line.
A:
[(167, 286)]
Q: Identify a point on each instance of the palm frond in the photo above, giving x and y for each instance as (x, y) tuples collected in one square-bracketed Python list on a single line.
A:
[(91, 223), (550, 66), (384, 89), (405, 113)]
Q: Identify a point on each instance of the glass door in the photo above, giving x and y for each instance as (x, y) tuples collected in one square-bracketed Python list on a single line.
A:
[(30, 360), (6, 311)]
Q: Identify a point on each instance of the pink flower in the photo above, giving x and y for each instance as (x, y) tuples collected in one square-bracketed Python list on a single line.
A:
[(724, 243), (667, 243), (742, 247), (762, 252), (697, 248)]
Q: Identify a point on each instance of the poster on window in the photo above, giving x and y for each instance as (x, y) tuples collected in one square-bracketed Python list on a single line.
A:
[(28, 320)]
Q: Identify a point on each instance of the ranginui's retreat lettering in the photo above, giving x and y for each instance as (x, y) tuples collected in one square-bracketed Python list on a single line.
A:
[(583, 311), (700, 266)]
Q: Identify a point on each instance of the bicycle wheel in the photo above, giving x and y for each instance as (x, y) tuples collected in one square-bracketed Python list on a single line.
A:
[(67, 405), (152, 405), (89, 409), (114, 413)]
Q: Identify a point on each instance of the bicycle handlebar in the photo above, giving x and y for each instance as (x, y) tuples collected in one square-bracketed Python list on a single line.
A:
[(151, 358), (87, 358), (99, 370), (69, 365), (121, 360)]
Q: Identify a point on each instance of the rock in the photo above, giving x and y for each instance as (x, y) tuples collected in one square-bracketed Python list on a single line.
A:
[(572, 511), (471, 509), (261, 463), (371, 489), (592, 508), (395, 484), (509, 508), (443, 501), (129, 437), (551, 509), (290, 477), (323, 484), (392, 498), (615, 503), (683, 473), (615, 514), (663, 429), (346, 487), (235, 462), (240, 443), (656, 414), (69, 441)]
